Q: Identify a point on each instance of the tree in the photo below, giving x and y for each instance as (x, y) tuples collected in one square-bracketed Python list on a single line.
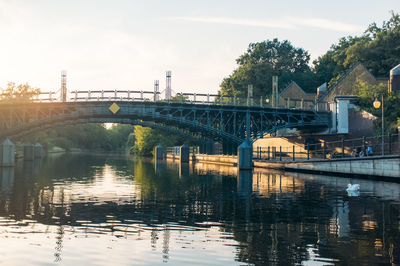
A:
[(378, 49), (18, 93), (265, 59), (85, 137), (148, 138), (118, 136), (381, 51), (331, 66), (368, 93)]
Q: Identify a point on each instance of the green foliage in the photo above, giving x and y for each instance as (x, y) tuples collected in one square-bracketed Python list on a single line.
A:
[(120, 136), (148, 138), (142, 142), (265, 59), (84, 137), (331, 66), (369, 93), (381, 50), (18, 93), (179, 98), (378, 49)]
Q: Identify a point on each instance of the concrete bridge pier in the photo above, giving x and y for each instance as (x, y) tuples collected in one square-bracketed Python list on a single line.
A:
[(159, 152), (7, 151), (245, 182), (245, 188), (159, 167), (29, 152), (245, 156), (234, 149), (184, 153), (183, 170), (209, 147), (37, 151)]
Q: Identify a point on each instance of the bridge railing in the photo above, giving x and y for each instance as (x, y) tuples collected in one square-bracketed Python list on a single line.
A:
[(192, 98), (46, 96), (343, 148)]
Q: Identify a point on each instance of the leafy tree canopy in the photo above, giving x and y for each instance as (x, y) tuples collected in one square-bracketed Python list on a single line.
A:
[(369, 93), (85, 137), (265, 59), (378, 49), (148, 138), (18, 93)]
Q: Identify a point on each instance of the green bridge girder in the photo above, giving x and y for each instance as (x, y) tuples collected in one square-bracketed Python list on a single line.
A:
[(225, 123)]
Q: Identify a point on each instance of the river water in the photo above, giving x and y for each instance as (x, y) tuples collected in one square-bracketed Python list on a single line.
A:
[(111, 210)]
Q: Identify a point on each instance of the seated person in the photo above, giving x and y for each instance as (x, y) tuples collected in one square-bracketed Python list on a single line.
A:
[(370, 151)]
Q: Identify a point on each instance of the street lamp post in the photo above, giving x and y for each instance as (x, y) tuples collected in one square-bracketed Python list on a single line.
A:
[(378, 104)]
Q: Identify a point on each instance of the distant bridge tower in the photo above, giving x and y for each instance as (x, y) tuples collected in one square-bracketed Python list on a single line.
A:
[(63, 90), (168, 90), (250, 95), (275, 95), (156, 90)]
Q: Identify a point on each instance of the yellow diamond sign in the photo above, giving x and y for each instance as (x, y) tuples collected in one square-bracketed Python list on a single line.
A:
[(114, 108)]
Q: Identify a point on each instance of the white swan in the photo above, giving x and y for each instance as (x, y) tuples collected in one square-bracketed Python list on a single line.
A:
[(353, 190)]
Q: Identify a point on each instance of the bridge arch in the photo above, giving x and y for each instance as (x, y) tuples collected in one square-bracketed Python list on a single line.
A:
[(227, 123), (134, 122)]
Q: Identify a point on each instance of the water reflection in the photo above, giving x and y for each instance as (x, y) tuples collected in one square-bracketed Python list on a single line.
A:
[(7, 179), (186, 213)]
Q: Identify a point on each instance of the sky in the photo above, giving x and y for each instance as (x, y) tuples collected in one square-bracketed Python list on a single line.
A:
[(127, 44)]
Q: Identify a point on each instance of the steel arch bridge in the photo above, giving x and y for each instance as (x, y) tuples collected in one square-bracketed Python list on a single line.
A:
[(227, 123)]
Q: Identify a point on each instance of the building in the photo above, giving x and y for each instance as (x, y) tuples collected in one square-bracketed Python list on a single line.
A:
[(293, 96), (347, 84), (348, 121)]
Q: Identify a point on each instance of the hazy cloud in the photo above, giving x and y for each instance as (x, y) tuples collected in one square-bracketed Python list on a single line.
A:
[(244, 22), (280, 23), (325, 24)]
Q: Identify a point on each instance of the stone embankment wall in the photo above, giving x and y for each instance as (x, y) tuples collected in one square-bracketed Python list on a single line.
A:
[(387, 166), (204, 158), (219, 159)]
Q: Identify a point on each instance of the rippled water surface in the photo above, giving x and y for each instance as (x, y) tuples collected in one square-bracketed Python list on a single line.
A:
[(109, 210)]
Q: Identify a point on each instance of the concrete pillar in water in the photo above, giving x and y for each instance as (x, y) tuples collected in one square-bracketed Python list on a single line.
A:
[(245, 182), (184, 153), (159, 152), (183, 170), (245, 155), (245, 188), (29, 152), (7, 153), (209, 148), (37, 150), (159, 166)]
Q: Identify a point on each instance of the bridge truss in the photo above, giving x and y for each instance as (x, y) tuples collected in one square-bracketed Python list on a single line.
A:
[(223, 121)]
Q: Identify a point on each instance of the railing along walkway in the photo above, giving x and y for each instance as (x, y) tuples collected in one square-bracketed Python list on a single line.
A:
[(344, 148)]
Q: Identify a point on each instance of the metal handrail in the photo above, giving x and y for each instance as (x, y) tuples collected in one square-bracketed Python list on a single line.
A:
[(343, 148), (192, 98)]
